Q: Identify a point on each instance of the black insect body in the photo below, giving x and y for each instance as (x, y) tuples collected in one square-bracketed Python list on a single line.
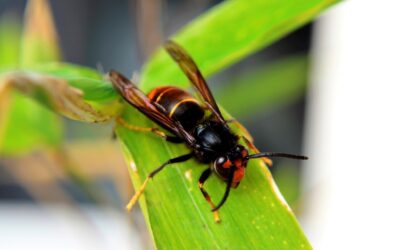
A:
[(198, 124)]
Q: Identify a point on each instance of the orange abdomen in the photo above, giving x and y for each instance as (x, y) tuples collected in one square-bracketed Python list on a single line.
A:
[(179, 105)]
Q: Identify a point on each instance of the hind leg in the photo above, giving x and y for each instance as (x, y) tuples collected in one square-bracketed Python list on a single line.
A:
[(204, 176), (154, 130)]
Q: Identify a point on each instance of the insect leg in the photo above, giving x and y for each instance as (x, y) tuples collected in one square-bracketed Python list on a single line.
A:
[(204, 176), (249, 140), (227, 190), (156, 131), (137, 195)]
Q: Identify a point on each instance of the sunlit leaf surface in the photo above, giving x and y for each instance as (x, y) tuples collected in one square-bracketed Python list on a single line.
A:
[(255, 215)]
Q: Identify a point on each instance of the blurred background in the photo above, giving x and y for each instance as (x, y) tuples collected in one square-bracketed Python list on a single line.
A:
[(332, 93)]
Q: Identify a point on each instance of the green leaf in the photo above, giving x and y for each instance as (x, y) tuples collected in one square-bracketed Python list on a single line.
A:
[(255, 216), (266, 87), (39, 40), (91, 82), (10, 30), (78, 98), (287, 177), (229, 32), (25, 124)]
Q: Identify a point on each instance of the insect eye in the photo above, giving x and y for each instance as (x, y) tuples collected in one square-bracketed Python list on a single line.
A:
[(221, 166), (222, 162)]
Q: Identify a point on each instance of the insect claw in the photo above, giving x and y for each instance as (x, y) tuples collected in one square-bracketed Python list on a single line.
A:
[(216, 217), (137, 195)]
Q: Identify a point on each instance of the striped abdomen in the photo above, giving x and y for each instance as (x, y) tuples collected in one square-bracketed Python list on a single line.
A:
[(179, 105)]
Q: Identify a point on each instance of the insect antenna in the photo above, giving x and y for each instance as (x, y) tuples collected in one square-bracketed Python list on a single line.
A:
[(273, 154)]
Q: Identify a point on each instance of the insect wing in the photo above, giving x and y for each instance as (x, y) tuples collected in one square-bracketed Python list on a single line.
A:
[(138, 99), (192, 72)]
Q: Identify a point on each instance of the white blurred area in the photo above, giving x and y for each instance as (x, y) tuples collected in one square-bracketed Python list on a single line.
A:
[(60, 227), (353, 129)]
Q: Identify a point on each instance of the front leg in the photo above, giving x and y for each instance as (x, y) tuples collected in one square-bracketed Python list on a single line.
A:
[(204, 176)]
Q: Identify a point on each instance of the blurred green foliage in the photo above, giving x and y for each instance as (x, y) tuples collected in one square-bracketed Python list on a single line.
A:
[(265, 87), (25, 124), (10, 30)]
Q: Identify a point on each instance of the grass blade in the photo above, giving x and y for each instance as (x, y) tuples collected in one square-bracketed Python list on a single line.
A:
[(229, 32), (255, 215), (39, 40)]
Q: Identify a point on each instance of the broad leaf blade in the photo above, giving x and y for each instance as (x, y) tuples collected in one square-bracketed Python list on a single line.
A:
[(254, 217)]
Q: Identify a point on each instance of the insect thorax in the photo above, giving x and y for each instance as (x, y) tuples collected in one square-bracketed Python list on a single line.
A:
[(214, 139)]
